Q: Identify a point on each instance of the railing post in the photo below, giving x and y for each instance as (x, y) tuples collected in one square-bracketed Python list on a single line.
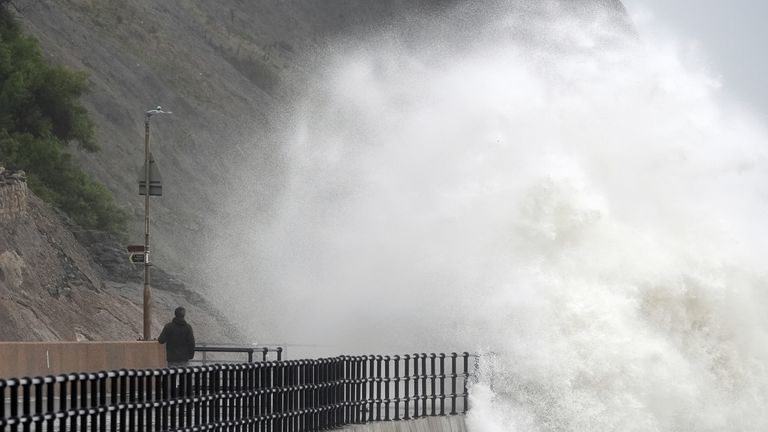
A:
[(406, 390), (122, 420), (50, 398), (465, 395), (453, 383), (216, 393), (416, 399), (397, 387), (433, 379), (359, 390), (38, 385), (378, 387), (148, 398), (102, 377), (14, 401), (371, 388), (442, 384), (139, 399), (387, 360), (424, 392), (26, 397)]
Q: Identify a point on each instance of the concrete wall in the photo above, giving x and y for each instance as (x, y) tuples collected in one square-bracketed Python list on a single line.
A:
[(429, 424), (20, 359)]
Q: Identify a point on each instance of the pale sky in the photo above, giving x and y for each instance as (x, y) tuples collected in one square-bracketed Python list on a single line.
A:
[(731, 34)]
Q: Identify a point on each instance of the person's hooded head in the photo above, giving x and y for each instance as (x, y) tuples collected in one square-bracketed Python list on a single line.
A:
[(179, 313)]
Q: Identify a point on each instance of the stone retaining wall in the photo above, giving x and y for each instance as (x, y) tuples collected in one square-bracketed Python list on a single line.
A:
[(13, 195)]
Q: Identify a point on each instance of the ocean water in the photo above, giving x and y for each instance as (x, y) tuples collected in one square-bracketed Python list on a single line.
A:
[(576, 201)]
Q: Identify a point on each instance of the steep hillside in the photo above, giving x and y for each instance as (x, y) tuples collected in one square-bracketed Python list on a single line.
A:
[(222, 67), (51, 288)]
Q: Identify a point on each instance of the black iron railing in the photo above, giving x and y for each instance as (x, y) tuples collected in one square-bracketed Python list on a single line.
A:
[(296, 395), (252, 353)]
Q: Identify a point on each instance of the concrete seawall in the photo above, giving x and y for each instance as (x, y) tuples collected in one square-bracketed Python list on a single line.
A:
[(27, 359), (429, 424)]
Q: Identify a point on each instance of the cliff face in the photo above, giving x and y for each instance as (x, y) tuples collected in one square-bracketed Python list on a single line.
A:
[(51, 288), (222, 67)]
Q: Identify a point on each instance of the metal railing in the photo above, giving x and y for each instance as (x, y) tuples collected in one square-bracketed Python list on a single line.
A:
[(276, 396), (252, 353)]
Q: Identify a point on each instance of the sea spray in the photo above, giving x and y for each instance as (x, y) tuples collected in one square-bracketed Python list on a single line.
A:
[(569, 198)]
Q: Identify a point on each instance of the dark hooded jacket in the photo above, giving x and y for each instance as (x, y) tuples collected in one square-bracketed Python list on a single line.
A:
[(179, 340)]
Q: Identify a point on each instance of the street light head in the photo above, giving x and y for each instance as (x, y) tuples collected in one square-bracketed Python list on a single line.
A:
[(158, 110)]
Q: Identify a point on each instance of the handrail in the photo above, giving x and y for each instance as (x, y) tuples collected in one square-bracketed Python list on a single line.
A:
[(245, 349)]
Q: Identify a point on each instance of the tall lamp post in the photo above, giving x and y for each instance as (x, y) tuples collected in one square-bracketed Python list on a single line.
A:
[(152, 186)]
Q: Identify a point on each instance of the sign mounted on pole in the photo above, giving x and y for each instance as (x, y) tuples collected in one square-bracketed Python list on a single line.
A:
[(138, 258), (155, 180), (135, 248)]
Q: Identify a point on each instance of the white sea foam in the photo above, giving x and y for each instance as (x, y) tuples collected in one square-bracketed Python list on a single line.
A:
[(577, 200)]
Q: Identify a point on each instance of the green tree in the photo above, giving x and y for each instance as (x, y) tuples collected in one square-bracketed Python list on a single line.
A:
[(40, 115)]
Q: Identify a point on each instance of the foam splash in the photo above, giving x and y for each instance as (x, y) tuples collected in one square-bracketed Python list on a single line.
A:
[(585, 206)]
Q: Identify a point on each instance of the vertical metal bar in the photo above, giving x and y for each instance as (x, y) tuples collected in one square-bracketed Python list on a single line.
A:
[(157, 399), (183, 395), (371, 388), (133, 399), (3, 385), (442, 384), (14, 401), (465, 395), (73, 393), (424, 375), (416, 399), (26, 397), (148, 396), (361, 389), (387, 400), (406, 390), (94, 387), (38, 402), (231, 393), (397, 387), (173, 389), (140, 400), (216, 390), (196, 393), (276, 395), (84, 402), (50, 399), (102, 401), (114, 393), (453, 383), (206, 390), (279, 353), (378, 387), (124, 400), (433, 379)]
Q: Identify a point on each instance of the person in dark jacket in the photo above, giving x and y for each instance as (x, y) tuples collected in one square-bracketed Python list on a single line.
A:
[(179, 340)]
